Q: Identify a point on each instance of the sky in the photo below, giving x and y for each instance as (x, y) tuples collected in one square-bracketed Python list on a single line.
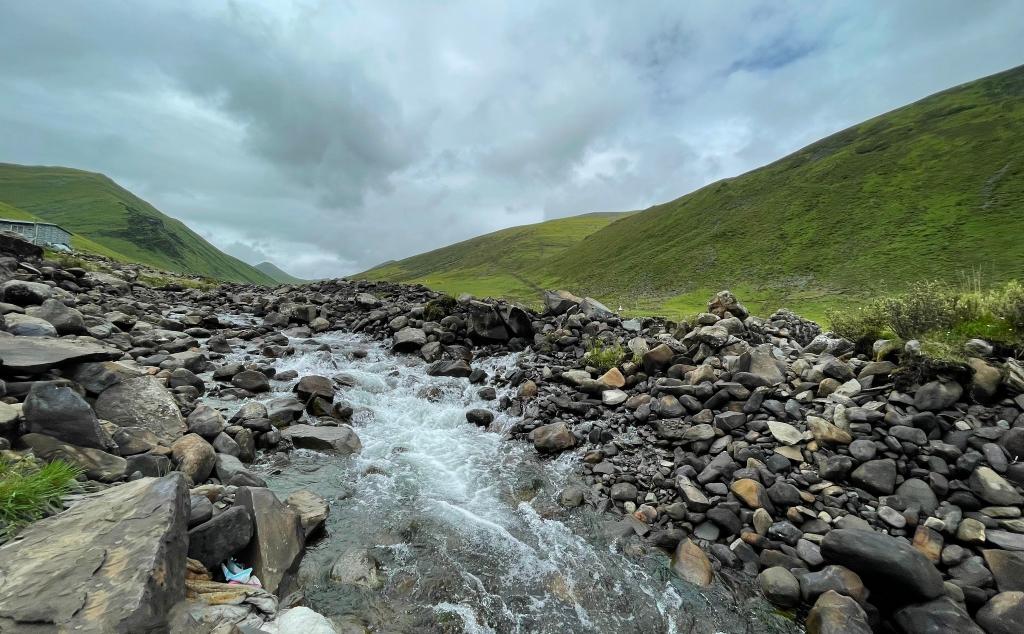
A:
[(328, 137)]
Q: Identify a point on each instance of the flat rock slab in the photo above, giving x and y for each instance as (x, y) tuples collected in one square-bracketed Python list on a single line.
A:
[(113, 563), (35, 354)]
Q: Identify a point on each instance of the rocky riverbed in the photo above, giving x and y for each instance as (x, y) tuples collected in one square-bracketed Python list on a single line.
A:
[(464, 465)]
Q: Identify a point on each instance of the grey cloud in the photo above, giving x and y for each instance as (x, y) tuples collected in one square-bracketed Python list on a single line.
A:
[(329, 137)]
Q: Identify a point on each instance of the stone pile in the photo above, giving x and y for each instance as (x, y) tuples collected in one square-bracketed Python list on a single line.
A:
[(864, 493)]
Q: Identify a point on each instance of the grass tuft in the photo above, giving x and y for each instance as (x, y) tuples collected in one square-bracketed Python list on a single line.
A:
[(604, 356), (29, 491)]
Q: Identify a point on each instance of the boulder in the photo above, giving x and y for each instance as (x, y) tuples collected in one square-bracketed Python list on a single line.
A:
[(408, 339), (553, 438), (314, 386), (277, 543), (28, 326), (60, 412), (230, 470), (251, 380), (1003, 614), (311, 508), (98, 376), (559, 302), (96, 464), (194, 457), (1007, 568), (939, 615), (446, 367), (216, 540), (891, 568), (205, 421), (689, 563), (936, 396), (66, 320), (342, 438), (595, 310), (480, 417), (993, 488), (780, 586), (834, 613), (22, 293), (113, 563), (142, 402)]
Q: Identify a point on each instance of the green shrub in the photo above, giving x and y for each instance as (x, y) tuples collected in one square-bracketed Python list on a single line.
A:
[(928, 307), (861, 325), (438, 309), (1007, 304), (603, 356), (29, 491)]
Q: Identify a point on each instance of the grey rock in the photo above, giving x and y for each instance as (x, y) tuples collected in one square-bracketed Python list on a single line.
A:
[(342, 439), (60, 412), (221, 537), (113, 563), (142, 402), (893, 569), (1003, 614), (939, 615), (936, 396), (277, 544), (96, 464)]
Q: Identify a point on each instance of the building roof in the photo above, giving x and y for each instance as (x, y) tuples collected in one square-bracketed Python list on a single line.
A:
[(33, 222)]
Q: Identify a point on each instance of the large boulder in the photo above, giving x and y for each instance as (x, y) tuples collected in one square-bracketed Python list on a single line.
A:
[(595, 310), (142, 402), (485, 323), (1003, 614), (937, 395), (251, 380), (314, 386), (98, 376), (96, 464), (312, 510), (559, 302), (112, 563), (60, 412), (939, 615), (342, 438), (891, 568), (278, 541), (217, 539)]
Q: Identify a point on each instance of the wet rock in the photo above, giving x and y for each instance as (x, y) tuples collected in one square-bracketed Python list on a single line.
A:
[(96, 464), (252, 381), (445, 367), (114, 563), (60, 412), (780, 586), (834, 613), (230, 470), (624, 491), (342, 439), (690, 564), (480, 417), (277, 543), (205, 421), (142, 402), (216, 540), (553, 438), (408, 340), (891, 568), (311, 508)]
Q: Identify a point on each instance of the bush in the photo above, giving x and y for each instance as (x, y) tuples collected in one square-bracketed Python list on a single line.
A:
[(861, 325), (603, 356), (29, 491), (1007, 304), (438, 309)]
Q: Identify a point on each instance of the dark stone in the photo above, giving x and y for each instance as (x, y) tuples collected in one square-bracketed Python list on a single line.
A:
[(216, 540), (894, 571)]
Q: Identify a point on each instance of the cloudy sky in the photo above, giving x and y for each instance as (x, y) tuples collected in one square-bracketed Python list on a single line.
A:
[(330, 136)]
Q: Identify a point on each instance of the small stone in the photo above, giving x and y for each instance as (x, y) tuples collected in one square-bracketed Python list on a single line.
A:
[(780, 586)]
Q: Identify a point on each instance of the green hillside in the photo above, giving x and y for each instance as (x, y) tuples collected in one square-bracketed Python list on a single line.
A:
[(933, 190), (502, 263), (116, 221), (276, 274)]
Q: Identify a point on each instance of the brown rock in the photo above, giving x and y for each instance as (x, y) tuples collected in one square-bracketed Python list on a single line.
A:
[(690, 564)]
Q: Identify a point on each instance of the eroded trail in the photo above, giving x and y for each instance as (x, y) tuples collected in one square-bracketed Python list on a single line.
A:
[(442, 526)]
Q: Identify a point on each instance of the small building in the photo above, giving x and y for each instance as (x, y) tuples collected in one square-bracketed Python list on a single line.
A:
[(41, 233)]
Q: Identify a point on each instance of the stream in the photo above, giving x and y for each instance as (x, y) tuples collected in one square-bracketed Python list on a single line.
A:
[(441, 526)]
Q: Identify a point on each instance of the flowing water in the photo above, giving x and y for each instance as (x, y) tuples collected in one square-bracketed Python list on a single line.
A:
[(441, 526)]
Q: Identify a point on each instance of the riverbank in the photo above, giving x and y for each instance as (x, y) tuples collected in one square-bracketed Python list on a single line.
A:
[(739, 445)]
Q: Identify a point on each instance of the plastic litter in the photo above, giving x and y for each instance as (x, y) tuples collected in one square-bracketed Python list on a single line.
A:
[(235, 574)]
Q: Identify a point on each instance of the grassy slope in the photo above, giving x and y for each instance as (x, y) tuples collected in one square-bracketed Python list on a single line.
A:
[(496, 264), (97, 209), (276, 274), (931, 190)]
